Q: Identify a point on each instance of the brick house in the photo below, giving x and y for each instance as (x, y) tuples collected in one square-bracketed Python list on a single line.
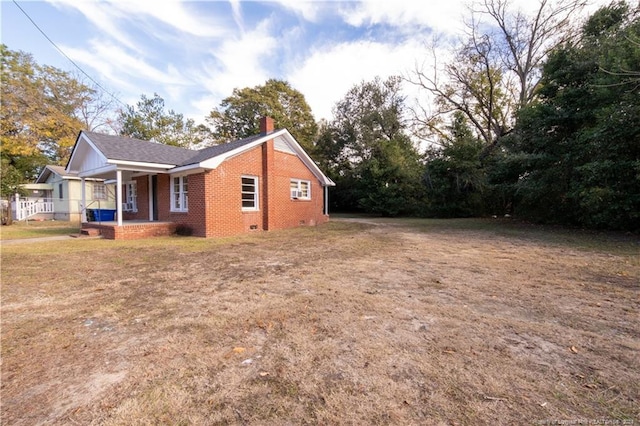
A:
[(263, 182)]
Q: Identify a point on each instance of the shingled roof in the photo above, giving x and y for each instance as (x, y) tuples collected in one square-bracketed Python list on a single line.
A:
[(214, 151), (59, 170), (131, 149)]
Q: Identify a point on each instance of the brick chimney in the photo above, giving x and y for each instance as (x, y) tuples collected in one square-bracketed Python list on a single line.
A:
[(266, 125)]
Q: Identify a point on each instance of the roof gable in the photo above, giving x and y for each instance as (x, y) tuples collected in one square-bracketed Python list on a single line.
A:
[(57, 170)]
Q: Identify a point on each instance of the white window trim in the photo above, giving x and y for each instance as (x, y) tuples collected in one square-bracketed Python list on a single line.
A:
[(296, 193), (102, 193), (256, 197), (184, 201), (131, 200)]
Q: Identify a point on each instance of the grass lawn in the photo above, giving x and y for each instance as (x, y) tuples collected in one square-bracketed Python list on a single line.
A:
[(399, 322), (35, 229)]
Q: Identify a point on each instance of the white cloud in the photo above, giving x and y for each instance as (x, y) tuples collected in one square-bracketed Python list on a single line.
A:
[(328, 74), (236, 8), (176, 14), (442, 16), (237, 63), (130, 76), (308, 10), (103, 16), (117, 19), (106, 56), (202, 106)]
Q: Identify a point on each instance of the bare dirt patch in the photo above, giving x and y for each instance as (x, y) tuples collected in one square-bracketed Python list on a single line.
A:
[(390, 322)]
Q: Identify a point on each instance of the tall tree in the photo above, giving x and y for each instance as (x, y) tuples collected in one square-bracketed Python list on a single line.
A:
[(497, 69), (454, 177), (39, 118), (375, 163), (148, 120), (238, 116), (579, 146)]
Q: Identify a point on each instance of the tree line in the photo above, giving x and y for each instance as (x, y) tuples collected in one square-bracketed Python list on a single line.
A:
[(532, 117)]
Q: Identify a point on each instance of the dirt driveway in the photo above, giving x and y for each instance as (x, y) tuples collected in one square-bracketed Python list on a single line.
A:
[(410, 322)]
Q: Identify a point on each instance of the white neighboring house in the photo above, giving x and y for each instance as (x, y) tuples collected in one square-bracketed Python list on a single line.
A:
[(57, 194)]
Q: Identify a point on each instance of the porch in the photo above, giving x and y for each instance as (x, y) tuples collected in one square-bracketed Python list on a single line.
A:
[(129, 230)]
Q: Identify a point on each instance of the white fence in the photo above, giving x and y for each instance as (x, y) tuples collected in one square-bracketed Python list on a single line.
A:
[(25, 208)]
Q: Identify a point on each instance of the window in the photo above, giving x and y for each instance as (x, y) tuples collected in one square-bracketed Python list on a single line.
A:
[(249, 193), (300, 189), (130, 197), (179, 194), (60, 193), (99, 191)]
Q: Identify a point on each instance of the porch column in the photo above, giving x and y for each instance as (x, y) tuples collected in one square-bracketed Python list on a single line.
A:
[(18, 209), (83, 208), (119, 196)]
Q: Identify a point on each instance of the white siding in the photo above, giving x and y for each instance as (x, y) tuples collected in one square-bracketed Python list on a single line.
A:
[(92, 160), (279, 144)]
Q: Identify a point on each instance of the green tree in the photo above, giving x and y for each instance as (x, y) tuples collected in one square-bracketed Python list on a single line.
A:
[(454, 177), (148, 120), (493, 74), (238, 116), (10, 178), (579, 147), (369, 153), (39, 118)]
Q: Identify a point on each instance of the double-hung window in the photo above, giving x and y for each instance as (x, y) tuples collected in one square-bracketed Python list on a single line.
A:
[(300, 189), (179, 194), (249, 193), (99, 191), (130, 197)]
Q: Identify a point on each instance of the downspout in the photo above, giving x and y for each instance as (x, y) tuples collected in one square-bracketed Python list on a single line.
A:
[(326, 200)]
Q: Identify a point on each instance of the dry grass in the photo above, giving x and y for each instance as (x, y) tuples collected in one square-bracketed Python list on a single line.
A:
[(388, 322)]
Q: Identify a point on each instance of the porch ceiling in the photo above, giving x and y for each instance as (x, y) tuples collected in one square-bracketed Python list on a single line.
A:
[(108, 173)]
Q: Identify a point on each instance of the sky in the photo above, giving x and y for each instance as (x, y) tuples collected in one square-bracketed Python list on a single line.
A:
[(194, 53)]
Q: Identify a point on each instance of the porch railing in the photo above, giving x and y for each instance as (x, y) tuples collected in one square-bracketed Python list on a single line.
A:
[(26, 208)]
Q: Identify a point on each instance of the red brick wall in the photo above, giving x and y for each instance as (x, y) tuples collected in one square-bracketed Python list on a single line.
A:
[(163, 189), (290, 213), (224, 186)]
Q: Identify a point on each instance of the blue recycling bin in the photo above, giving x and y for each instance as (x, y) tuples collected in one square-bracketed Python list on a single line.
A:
[(101, 215)]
